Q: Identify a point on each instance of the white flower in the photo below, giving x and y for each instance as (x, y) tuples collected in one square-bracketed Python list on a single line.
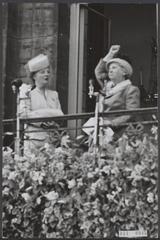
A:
[(150, 197), (96, 212), (6, 191), (115, 170), (7, 150), (136, 143), (93, 189), (136, 177), (52, 196), (119, 189), (26, 196), (12, 176), (96, 170), (29, 189), (59, 150), (80, 182), (37, 176), (90, 175), (106, 169), (14, 220), (48, 211), (128, 148), (110, 197), (64, 141), (127, 202), (154, 131), (139, 168), (101, 220), (118, 152), (5, 172), (145, 140), (38, 200), (46, 145), (71, 183)]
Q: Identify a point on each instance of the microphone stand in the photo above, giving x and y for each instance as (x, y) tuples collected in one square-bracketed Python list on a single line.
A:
[(96, 127), (15, 87)]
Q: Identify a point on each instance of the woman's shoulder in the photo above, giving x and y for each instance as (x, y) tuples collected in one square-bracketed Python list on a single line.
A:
[(49, 91), (53, 92), (132, 91), (132, 88)]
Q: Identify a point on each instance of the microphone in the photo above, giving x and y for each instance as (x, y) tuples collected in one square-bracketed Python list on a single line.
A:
[(16, 83)]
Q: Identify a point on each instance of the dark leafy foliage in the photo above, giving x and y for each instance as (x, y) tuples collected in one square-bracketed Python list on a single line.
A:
[(62, 191)]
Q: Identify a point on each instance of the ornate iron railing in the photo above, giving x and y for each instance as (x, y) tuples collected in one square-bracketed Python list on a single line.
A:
[(152, 111)]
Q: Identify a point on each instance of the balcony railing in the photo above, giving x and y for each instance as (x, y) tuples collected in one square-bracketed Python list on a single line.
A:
[(83, 116)]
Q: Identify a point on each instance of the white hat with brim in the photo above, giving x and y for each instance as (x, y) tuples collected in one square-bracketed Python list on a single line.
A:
[(37, 63), (123, 63)]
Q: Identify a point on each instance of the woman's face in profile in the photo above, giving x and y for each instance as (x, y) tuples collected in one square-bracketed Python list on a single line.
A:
[(41, 77), (116, 73)]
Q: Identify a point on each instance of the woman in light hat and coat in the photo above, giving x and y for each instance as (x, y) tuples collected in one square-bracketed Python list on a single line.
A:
[(38, 100), (120, 93)]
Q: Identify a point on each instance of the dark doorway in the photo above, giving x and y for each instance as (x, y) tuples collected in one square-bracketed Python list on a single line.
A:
[(97, 45), (133, 26)]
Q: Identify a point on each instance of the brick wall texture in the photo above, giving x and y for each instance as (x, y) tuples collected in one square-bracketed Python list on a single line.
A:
[(32, 29)]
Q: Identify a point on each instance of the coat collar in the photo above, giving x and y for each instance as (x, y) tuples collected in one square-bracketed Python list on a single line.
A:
[(112, 90)]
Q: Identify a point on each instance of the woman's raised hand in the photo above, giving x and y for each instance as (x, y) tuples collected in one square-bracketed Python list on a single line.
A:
[(114, 49)]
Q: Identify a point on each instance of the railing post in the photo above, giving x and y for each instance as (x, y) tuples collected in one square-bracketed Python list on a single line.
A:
[(21, 130), (96, 130), (17, 142)]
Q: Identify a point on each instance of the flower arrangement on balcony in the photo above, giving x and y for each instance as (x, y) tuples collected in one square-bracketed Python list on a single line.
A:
[(63, 191)]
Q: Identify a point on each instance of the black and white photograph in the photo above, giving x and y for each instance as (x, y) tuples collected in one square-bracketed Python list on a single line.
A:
[(80, 120)]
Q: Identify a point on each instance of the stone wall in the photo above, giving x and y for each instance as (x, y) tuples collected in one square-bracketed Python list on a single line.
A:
[(32, 29), (4, 41), (63, 54)]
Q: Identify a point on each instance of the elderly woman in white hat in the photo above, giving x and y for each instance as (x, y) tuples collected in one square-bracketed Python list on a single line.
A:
[(38, 101), (119, 94), (113, 75)]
